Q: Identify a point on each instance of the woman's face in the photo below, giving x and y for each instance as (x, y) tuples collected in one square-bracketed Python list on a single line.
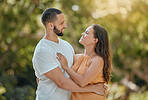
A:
[(87, 37)]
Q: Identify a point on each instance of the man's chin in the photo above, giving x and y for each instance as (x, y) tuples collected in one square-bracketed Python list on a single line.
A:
[(60, 34)]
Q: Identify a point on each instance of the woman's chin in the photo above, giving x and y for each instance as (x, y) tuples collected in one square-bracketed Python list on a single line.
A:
[(81, 42)]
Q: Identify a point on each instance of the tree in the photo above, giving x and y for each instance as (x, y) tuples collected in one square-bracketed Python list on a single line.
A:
[(21, 29)]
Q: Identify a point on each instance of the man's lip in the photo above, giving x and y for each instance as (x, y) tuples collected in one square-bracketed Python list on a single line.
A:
[(62, 30)]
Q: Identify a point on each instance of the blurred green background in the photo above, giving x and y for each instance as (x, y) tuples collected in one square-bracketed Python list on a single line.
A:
[(125, 20)]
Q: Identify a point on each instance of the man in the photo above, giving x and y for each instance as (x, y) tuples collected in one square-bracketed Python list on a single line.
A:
[(54, 83)]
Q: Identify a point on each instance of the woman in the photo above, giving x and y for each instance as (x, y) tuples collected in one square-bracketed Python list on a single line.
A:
[(92, 67)]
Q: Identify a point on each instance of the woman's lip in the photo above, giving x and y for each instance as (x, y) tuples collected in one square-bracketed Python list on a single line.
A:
[(82, 37)]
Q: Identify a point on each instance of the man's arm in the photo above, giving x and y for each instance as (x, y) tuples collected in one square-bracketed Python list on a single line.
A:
[(62, 82)]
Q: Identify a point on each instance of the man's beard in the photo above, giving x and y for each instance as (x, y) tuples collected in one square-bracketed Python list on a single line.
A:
[(57, 31)]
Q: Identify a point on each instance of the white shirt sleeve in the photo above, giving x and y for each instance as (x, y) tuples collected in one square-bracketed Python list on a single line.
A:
[(45, 61)]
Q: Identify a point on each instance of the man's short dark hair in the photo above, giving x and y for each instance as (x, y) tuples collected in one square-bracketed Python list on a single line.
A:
[(49, 15)]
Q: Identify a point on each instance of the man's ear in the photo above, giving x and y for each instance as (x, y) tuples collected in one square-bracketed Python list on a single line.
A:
[(50, 26)]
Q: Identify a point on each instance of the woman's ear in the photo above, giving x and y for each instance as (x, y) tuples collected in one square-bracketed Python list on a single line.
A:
[(95, 40)]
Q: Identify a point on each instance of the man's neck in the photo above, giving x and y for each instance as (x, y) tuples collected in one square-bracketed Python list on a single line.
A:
[(51, 36)]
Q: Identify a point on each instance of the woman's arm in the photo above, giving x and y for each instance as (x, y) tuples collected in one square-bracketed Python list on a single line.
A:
[(95, 67)]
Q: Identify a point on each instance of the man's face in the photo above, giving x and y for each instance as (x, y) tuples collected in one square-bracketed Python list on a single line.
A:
[(58, 32), (59, 25)]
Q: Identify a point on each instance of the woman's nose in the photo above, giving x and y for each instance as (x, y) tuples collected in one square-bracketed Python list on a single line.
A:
[(82, 34)]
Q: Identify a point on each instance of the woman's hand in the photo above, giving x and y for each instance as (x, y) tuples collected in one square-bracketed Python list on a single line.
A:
[(62, 59), (101, 89), (37, 81)]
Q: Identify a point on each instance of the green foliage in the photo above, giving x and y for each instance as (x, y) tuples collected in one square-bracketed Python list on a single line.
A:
[(138, 96), (21, 29)]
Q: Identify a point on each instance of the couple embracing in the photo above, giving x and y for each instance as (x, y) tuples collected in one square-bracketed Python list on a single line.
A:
[(64, 75)]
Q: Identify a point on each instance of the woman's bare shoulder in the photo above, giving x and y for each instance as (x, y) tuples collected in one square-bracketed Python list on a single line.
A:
[(97, 58)]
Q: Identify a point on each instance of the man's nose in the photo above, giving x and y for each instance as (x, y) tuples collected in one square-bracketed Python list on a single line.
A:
[(65, 26)]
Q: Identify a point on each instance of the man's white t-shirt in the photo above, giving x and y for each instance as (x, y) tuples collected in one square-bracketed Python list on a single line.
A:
[(44, 60)]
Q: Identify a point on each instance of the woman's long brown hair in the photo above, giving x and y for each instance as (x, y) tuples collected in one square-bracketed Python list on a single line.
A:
[(103, 49)]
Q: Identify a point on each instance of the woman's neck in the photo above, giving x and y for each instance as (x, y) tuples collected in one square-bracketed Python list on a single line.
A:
[(89, 50)]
